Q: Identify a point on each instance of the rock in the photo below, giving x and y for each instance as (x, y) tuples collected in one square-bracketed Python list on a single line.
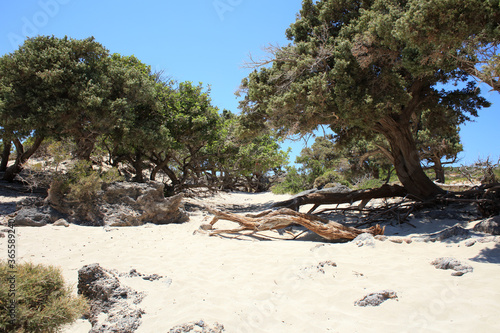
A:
[(381, 238), (452, 263), (2, 235), (375, 299), (31, 217), (470, 242), (397, 240), (61, 223), (456, 231), (365, 239), (489, 226), (124, 204), (113, 308), (198, 327)]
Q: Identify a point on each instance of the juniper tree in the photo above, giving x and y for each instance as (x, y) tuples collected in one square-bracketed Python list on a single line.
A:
[(346, 67)]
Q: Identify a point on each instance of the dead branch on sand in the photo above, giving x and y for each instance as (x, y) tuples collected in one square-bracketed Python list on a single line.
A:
[(282, 218)]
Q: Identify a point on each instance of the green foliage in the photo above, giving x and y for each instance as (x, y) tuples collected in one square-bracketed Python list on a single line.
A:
[(461, 34), (348, 68), (82, 183), (293, 183), (369, 183), (43, 302), (329, 177)]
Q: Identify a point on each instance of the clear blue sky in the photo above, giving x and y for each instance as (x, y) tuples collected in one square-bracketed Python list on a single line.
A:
[(201, 41)]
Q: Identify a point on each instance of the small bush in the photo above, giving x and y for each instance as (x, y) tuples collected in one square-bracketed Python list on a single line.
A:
[(82, 182), (330, 177), (369, 183), (43, 302), (293, 183)]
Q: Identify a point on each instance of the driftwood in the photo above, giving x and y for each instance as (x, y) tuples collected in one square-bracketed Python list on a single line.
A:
[(325, 198), (282, 218)]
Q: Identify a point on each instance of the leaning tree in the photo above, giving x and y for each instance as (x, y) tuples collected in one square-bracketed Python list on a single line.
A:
[(348, 67)]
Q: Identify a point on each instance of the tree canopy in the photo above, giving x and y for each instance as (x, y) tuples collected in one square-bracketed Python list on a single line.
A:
[(348, 67), (69, 89)]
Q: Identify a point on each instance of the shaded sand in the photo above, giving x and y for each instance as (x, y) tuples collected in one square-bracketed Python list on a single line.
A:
[(251, 285)]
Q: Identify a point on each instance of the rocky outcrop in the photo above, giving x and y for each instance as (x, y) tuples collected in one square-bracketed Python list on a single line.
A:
[(124, 204), (131, 204), (113, 307), (489, 226)]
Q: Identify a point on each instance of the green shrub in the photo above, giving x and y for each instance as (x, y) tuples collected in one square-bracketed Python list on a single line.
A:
[(293, 183), (369, 183), (82, 182), (330, 177), (43, 302)]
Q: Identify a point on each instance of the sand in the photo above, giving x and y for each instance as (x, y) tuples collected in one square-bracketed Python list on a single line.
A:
[(252, 285)]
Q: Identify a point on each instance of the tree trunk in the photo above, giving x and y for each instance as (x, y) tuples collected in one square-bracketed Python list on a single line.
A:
[(21, 158), (406, 159), (439, 170), (85, 146), (7, 145)]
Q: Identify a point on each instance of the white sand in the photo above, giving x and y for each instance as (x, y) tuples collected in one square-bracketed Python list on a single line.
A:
[(251, 285)]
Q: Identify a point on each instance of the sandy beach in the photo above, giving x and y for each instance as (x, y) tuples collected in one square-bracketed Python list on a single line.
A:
[(252, 284)]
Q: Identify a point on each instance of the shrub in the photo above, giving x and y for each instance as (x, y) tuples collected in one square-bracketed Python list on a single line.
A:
[(82, 183), (43, 302), (293, 183), (369, 183), (329, 177)]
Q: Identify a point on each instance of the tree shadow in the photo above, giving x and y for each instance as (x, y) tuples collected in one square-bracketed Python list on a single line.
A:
[(489, 255)]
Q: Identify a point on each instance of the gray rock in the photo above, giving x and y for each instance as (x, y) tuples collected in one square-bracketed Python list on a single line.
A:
[(61, 223), (452, 263), (375, 299), (113, 308), (456, 231), (198, 327), (31, 217), (470, 242), (124, 204), (489, 226), (365, 239)]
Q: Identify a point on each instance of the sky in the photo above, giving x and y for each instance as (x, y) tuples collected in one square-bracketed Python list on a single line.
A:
[(204, 41)]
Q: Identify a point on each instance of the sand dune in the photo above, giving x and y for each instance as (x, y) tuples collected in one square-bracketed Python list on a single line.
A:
[(253, 285)]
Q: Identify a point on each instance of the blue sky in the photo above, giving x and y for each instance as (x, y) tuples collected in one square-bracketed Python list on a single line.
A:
[(201, 41)]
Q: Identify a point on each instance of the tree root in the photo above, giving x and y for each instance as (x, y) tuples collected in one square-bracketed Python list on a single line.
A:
[(282, 218)]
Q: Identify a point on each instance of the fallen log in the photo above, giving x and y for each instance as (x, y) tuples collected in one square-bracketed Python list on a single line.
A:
[(325, 198), (285, 217)]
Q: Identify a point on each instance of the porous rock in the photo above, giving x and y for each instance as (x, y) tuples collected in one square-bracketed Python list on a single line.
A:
[(489, 226), (198, 327), (126, 204), (375, 299), (452, 263), (456, 231), (364, 239), (113, 307)]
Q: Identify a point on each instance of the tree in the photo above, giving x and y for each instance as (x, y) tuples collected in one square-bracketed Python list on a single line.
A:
[(457, 33), (437, 139), (346, 67), (54, 87), (135, 93)]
